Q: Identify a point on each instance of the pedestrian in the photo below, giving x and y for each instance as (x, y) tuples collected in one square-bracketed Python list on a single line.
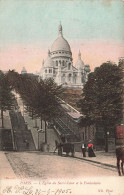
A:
[(60, 149), (83, 148), (90, 150), (56, 145), (27, 144)]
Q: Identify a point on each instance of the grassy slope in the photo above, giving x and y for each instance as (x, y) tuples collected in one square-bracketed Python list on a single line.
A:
[(72, 96)]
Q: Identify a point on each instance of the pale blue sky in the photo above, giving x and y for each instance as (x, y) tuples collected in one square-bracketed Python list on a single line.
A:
[(29, 27), (37, 20)]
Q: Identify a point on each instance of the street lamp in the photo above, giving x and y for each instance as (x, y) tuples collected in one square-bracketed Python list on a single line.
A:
[(106, 147), (107, 133), (39, 131)]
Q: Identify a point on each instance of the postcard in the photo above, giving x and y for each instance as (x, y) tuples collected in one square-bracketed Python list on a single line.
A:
[(47, 152)]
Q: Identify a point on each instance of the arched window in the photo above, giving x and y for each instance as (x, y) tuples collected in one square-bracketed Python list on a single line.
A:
[(63, 63), (69, 77), (56, 63), (75, 78), (50, 70), (63, 78), (69, 66)]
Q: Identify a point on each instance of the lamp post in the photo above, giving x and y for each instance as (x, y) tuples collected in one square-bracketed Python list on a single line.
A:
[(106, 141)]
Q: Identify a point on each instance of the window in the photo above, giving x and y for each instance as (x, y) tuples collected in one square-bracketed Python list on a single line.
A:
[(50, 70), (69, 66), (74, 78), (69, 77), (46, 71), (56, 63)]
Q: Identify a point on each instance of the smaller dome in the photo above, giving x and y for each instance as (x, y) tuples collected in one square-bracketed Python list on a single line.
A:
[(79, 63), (87, 68), (23, 71), (48, 62)]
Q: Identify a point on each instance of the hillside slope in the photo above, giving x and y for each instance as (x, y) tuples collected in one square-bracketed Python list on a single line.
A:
[(72, 96)]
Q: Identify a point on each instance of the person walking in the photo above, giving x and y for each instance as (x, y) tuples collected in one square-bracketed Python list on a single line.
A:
[(83, 148), (90, 150), (26, 144), (56, 145)]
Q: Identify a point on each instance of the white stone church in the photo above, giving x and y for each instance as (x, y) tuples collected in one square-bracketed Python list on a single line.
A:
[(59, 65)]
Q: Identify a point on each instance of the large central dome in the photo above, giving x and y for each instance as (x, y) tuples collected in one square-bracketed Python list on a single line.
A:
[(60, 44)]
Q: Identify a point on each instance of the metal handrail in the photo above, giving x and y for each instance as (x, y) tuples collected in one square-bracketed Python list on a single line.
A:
[(61, 127), (68, 128)]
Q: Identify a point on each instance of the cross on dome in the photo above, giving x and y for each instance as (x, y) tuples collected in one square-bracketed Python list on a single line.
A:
[(60, 44), (48, 52), (60, 30), (79, 55)]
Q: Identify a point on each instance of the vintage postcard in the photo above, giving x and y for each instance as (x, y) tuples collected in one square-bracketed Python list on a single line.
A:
[(49, 145)]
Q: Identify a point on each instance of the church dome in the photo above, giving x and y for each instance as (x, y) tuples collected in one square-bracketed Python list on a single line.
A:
[(48, 62), (23, 71), (60, 44), (79, 63), (87, 68)]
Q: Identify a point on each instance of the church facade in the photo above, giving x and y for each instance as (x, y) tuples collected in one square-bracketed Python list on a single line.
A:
[(59, 65)]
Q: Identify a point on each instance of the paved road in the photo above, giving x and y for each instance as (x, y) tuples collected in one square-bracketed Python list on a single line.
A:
[(51, 166)]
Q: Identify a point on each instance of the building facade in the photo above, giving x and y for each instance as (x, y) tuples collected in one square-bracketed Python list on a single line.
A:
[(59, 65)]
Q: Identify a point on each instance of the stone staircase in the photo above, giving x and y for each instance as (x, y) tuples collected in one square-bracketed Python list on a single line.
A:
[(66, 124), (62, 127), (22, 136), (64, 130)]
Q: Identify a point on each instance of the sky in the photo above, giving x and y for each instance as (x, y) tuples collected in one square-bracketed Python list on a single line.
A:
[(29, 27)]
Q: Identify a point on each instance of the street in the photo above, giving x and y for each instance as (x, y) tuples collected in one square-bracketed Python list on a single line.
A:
[(51, 166)]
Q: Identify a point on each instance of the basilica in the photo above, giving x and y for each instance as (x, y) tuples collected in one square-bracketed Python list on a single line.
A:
[(59, 65)]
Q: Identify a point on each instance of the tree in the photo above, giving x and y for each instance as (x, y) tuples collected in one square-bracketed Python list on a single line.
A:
[(44, 101), (41, 98), (101, 101), (6, 96)]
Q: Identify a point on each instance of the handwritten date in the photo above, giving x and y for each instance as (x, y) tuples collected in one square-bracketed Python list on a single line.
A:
[(31, 191)]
